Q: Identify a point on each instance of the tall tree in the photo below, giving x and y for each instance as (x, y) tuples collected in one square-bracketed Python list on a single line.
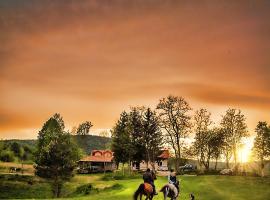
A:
[(84, 128), (208, 146), (152, 136), (202, 126), (121, 144), (261, 148), (136, 133), (217, 143), (175, 120), (234, 127), (60, 120), (56, 155)]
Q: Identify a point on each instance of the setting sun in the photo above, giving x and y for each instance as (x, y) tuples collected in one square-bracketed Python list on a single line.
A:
[(244, 151)]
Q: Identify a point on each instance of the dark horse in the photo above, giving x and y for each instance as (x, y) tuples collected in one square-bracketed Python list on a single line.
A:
[(144, 189), (170, 190)]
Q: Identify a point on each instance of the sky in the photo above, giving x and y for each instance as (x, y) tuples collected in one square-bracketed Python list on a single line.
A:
[(90, 60)]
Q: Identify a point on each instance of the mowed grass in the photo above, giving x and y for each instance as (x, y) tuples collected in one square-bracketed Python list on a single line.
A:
[(204, 187)]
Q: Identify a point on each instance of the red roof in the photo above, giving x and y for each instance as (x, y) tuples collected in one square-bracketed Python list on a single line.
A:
[(99, 156), (165, 154)]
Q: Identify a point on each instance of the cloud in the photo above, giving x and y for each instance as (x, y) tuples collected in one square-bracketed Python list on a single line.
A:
[(95, 58)]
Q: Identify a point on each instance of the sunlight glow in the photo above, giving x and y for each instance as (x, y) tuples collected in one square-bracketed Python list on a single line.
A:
[(244, 151)]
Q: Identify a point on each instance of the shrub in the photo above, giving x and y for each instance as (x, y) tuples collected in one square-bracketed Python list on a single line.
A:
[(84, 189), (7, 156), (116, 186)]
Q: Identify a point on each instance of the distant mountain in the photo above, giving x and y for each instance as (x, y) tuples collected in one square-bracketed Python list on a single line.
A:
[(86, 142)]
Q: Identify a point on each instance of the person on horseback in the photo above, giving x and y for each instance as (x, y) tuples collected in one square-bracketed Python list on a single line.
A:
[(149, 178), (173, 179)]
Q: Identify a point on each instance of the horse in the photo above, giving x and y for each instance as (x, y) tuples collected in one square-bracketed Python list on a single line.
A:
[(12, 170), (170, 190), (144, 189)]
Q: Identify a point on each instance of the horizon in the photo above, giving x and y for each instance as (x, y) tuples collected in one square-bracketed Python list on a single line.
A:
[(91, 60)]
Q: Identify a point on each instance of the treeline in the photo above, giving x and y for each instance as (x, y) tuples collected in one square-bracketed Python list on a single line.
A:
[(142, 132), (11, 151)]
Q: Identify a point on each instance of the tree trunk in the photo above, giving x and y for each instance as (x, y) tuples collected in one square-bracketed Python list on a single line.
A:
[(59, 188), (22, 168), (262, 168), (123, 169), (178, 158), (55, 188), (216, 163), (227, 162)]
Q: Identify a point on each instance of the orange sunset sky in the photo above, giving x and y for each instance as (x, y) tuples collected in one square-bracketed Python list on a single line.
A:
[(90, 60)]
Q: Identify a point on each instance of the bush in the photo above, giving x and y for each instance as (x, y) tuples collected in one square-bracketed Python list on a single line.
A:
[(116, 186), (7, 156), (84, 189)]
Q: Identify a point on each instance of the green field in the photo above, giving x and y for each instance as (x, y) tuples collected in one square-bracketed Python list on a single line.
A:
[(204, 187)]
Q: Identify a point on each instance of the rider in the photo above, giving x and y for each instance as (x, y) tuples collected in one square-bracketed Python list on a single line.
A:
[(173, 179), (148, 178)]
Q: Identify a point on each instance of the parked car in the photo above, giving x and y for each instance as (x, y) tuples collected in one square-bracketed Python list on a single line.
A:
[(188, 168), (226, 172), (163, 168)]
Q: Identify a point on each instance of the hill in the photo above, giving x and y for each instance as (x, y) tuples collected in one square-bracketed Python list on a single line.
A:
[(86, 142)]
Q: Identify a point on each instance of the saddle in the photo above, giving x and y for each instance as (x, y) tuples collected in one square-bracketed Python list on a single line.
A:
[(148, 188)]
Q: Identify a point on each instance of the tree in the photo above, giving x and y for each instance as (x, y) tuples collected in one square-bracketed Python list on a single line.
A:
[(73, 130), (16, 148), (56, 155), (261, 148), (135, 129), (84, 128), (218, 143), (234, 128), (60, 120), (121, 144), (208, 146), (104, 133), (202, 125), (152, 136), (173, 114)]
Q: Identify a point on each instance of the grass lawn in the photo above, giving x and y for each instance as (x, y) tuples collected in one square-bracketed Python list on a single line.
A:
[(204, 187)]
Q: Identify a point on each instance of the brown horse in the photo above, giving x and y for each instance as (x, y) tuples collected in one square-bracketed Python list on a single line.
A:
[(144, 189)]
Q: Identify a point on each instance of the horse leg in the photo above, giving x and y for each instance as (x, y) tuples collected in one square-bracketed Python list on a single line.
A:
[(141, 196)]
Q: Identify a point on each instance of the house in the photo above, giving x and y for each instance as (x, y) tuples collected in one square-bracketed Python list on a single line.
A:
[(97, 161), (161, 163)]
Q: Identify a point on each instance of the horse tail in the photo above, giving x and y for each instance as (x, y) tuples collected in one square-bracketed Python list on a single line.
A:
[(139, 190)]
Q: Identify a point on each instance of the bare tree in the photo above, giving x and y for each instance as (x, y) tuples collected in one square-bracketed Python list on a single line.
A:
[(175, 120)]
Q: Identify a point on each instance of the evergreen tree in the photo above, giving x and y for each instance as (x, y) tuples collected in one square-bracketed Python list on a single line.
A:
[(136, 134), (152, 136), (121, 141)]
